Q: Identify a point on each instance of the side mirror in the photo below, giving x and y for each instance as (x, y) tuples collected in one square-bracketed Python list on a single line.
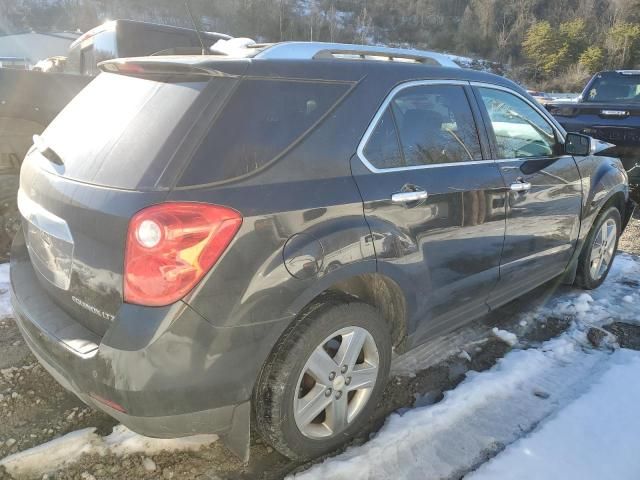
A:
[(583, 145), (577, 144)]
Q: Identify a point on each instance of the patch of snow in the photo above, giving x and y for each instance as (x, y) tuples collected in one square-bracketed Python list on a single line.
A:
[(148, 464), (507, 337), (594, 437), (39, 460), (123, 441), (464, 355), (564, 97), (5, 302), (67, 449), (583, 303)]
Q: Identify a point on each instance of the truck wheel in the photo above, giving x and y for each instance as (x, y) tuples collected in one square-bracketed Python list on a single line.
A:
[(599, 249), (323, 380)]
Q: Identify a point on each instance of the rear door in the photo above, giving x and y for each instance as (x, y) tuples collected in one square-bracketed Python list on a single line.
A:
[(545, 192), (434, 204)]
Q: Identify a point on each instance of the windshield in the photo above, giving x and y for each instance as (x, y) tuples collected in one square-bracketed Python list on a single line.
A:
[(614, 87)]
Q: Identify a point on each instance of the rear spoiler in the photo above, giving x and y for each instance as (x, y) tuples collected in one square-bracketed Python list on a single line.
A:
[(172, 66)]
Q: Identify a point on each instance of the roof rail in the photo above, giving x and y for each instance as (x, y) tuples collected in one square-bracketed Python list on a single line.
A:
[(320, 50)]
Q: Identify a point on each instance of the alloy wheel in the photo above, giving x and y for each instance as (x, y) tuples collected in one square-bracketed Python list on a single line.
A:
[(603, 249), (336, 382)]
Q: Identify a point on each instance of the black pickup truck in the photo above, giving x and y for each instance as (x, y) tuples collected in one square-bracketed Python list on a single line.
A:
[(608, 109), (30, 100)]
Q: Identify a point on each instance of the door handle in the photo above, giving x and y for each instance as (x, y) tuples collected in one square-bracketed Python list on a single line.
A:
[(520, 187), (406, 197)]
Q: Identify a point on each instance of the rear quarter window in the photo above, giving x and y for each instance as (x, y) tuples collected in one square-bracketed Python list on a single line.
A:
[(262, 119)]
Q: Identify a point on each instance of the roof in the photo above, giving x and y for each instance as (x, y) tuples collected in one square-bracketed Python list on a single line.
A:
[(350, 71), (247, 48)]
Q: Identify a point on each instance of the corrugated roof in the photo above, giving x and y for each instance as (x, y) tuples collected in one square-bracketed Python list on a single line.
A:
[(64, 35)]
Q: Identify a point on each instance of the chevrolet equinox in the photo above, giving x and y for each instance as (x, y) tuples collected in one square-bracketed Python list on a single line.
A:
[(217, 243)]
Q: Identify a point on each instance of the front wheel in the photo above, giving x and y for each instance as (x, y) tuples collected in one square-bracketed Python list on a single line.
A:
[(599, 249), (322, 382)]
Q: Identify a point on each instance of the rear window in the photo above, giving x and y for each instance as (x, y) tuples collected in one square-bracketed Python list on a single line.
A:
[(139, 42), (614, 87), (118, 131), (262, 120)]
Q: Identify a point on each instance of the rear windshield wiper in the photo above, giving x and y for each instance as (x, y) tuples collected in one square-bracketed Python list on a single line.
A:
[(46, 151)]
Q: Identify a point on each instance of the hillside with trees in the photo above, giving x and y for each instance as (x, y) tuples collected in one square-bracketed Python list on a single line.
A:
[(551, 44)]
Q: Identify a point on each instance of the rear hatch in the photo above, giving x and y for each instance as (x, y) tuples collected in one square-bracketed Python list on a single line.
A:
[(115, 149)]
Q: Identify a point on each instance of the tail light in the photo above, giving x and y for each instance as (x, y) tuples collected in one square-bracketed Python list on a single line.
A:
[(171, 246)]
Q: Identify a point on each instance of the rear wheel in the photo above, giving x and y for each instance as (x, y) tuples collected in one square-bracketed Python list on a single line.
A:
[(599, 249), (322, 383)]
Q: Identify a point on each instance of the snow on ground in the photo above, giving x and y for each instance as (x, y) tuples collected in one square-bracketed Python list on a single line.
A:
[(5, 304), (594, 437), (69, 448), (507, 337), (556, 391)]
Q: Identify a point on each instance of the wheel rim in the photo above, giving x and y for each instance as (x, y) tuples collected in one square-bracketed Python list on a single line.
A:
[(603, 249), (336, 383)]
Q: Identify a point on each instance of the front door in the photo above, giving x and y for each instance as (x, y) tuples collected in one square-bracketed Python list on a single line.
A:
[(433, 201), (544, 197)]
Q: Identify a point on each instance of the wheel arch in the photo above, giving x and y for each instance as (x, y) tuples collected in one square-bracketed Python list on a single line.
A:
[(617, 197), (366, 285)]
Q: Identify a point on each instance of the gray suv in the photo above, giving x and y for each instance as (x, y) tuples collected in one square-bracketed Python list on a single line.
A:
[(208, 239)]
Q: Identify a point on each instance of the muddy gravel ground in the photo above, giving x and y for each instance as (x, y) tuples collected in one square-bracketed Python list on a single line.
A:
[(35, 409), (630, 240)]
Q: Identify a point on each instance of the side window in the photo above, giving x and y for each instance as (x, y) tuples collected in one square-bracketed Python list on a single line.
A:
[(382, 149), (520, 131), (434, 125), (262, 119)]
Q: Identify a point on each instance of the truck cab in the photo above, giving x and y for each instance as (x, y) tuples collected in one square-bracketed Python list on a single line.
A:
[(608, 109)]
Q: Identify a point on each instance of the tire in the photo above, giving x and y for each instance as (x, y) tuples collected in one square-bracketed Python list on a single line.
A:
[(287, 382), (589, 275)]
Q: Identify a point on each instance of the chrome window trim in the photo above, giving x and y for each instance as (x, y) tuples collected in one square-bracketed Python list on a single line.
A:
[(415, 83), (374, 123), (546, 115)]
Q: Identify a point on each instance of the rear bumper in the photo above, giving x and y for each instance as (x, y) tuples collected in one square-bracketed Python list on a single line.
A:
[(163, 372), (46, 349)]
